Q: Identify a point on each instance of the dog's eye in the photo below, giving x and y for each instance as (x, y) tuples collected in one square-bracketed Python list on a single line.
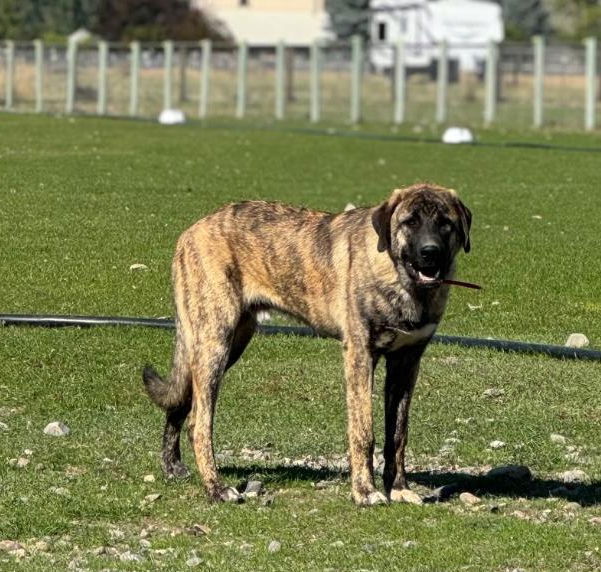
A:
[(411, 222), (446, 227)]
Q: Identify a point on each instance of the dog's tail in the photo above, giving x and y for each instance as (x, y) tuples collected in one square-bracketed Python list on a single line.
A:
[(167, 394)]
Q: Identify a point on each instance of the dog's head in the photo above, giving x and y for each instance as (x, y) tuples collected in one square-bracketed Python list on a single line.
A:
[(423, 227)]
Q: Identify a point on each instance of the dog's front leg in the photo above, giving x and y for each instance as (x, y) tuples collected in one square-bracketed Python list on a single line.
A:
[(359, 372), (401, 374)]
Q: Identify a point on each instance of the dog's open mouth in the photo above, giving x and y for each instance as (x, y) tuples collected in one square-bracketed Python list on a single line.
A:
[(426, 276)]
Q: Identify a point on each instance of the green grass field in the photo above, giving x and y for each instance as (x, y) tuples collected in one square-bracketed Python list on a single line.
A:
[(83, 199)]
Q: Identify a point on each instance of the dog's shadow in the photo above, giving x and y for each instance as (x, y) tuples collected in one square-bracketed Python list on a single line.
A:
[(535, 488)]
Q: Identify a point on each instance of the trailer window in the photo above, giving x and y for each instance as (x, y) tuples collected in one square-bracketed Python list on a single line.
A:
[(382, 31)]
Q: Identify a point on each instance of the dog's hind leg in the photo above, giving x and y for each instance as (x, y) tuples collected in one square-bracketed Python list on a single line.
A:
[(175, 418), (219, 348)]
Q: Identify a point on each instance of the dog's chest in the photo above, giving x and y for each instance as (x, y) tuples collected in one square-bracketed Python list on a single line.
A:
[(391, 339)]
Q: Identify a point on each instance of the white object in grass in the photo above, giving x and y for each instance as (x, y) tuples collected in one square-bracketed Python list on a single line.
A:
[(457, 135), (172, 117)]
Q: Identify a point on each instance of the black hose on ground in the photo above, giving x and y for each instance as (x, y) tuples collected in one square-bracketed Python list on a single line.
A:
[(561, 352)]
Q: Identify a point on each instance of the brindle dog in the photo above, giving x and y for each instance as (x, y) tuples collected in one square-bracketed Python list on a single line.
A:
[(370, 277)]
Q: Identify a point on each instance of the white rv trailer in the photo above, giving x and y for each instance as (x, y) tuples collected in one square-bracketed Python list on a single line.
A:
[(466, 25)]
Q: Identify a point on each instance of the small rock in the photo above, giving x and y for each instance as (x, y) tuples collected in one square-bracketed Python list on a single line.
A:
[(595, 520), (337, 544), (349, 207), (253, 489), (3, 426), (60, 491), (145, 543), (100, 551), (149, 478), (572, 506), (469, 499), (274, 546), (496, 444), (22, 462), (129, 556), (558, 439), (10, 546), (406, 495), (56, 429), (575, 476), (409, 544), (577, 341), (516, 472), (41, 546), (138, 267), (194, 561), (149, 499), (493, 392)]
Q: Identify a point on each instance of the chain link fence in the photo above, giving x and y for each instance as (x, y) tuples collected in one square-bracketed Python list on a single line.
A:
[(335, 83)]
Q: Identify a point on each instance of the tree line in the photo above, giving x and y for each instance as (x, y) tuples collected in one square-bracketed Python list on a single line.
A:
[(113, 20)]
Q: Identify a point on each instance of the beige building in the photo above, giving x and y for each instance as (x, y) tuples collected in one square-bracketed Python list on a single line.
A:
[(266, 22), (264, 5)]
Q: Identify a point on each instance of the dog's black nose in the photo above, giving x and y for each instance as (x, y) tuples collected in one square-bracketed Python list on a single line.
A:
[(429, 253)]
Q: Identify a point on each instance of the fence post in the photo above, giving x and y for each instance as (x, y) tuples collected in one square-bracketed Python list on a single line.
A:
[(205, 78), (591, 84), (168, 79), (183, 78), (71, 68), (442, 83), (241, 83), (356, 77), (315, 83), (103, 54), (490, 101), (134, 78), (10, 73), (399, 82), (38, 48), (280, 81), (538, 44)]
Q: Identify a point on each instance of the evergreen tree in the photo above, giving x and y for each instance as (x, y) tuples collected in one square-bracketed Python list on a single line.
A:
[(349, 17), (525, 18)]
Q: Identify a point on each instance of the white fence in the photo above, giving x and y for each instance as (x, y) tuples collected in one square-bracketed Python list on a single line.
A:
[(516, 85)]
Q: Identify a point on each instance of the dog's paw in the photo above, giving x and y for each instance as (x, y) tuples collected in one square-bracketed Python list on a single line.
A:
[(405, 495), (230, 494), (370, 499), (176, 470)]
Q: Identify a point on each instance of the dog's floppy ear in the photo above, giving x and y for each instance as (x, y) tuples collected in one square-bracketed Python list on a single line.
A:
[(465, 220), (380, 219)]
